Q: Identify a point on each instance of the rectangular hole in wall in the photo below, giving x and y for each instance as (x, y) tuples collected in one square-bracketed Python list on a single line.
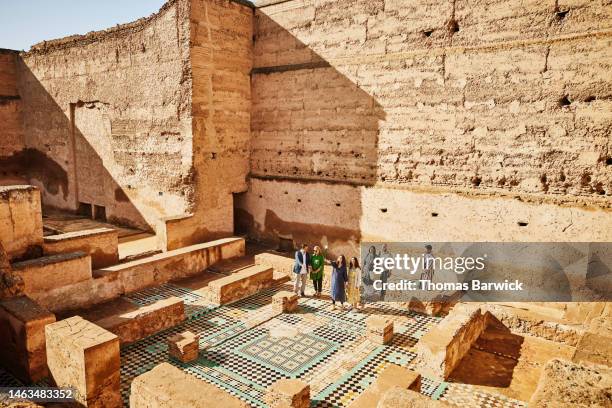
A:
[(99, 213), (285, 244), (84, 210)]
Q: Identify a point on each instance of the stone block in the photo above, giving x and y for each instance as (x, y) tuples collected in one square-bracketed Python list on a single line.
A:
[(166, 386), (240, 284), (20, 219), (184, 346), (392, 376), (284, 302), (101, 244), (172, 265), (398, 397), (54, 271), (440, 350), (566, 384), (288, 393), (146, 320), (84, 356), (595, 349), (22, 330), (379, 329)]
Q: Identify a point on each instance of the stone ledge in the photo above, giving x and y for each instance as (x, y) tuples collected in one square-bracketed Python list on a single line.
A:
[(240, 284), (79, 234), (288, 393), (48, 260), (391, 377), (22, 330), (85, 356), (440, 350), (402, 398), (166, 386), (594, 349), (565, 384), (145, 321), (101, 244)]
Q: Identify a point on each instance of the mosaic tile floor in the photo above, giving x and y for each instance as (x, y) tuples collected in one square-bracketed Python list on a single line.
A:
[(245, 347), (322, 346)]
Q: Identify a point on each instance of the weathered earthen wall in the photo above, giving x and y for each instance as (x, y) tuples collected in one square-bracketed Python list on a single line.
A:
[(221, 61), (107, 118), (441, 114), (11, 131)]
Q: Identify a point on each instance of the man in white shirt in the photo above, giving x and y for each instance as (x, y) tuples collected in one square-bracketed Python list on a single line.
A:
[(301, 269)]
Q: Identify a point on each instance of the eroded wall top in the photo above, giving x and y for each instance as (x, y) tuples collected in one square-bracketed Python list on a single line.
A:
[(110, 113)]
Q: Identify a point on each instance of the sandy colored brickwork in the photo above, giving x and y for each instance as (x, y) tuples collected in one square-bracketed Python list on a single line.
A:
[(430, 120)]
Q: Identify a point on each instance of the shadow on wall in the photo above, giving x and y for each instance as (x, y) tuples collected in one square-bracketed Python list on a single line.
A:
[(311, 126), (62, 162)]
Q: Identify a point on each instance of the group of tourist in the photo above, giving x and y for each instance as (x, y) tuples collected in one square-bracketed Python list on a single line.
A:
[(346, 279)]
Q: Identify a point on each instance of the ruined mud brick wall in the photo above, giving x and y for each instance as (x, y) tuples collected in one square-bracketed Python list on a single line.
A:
[(107, 118), (422, 120), (11, 132), (221, 60), (21, 229)]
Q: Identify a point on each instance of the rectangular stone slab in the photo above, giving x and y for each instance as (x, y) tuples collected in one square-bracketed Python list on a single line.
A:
[(20, 219), (166, 386), (22, 330), (85, 356), (392, 376), (241, 284), (440, 350), (101, 244), (566, 384), (145, 321), (54, 271)]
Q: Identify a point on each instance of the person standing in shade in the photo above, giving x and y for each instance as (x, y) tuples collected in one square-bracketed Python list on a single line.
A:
[(317, 262), (428, 264), (339, 278), (384, 276), (354, 283), (366, 274), (301, 268)]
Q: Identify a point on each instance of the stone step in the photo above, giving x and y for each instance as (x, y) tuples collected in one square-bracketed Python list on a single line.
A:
[(239, 285), (175, 264), (131, 326), (101, 244), (46, 273)]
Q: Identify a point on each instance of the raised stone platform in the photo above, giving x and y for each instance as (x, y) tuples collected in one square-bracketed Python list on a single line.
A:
[(379, 329), (566, 384), (288, 393), (402, 398), (111, 282), (22, 330), (595, 349), (392, 376), (165, 386), (86, 357), (21, 226), (41, 275), (184, 346), (175, 264), (101, 244), (240, 284), (440, 350), (284, 302), (145, 321)]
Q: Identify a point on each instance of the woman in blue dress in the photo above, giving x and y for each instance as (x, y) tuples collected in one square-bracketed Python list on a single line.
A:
[(339, 278)]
